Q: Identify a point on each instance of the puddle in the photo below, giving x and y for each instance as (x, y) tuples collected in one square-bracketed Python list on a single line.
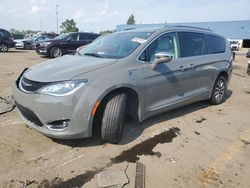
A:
[(146, 147), (131, 155)]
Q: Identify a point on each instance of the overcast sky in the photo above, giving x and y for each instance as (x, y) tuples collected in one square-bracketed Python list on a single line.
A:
[(97, 15)]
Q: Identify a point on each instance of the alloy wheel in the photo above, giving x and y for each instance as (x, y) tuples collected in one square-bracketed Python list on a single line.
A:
[(219, 90), (3, 48)]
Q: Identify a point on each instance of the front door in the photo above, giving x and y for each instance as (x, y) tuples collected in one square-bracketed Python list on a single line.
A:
[(165, 84)]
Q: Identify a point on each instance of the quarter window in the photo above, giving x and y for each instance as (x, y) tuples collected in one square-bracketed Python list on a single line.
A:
[(216, 44), (192, 44)]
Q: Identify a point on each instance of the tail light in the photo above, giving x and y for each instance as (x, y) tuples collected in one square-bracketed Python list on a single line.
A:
[(11, 37)]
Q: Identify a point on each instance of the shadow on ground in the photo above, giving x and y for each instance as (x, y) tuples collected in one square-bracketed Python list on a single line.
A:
[(132, 130), (16, 51)]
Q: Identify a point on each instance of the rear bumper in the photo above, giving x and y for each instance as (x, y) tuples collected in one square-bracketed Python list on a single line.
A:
[(19, 46), (12, 45)]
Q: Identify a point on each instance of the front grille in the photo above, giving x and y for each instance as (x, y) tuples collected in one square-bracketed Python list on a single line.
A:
[(31, 86), (29, 115)]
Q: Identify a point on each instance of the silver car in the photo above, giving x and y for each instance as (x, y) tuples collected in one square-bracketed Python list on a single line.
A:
[(136, 73)]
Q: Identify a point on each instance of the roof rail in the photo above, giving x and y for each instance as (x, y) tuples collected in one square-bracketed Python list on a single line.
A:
[(193, 27), (128, 29)]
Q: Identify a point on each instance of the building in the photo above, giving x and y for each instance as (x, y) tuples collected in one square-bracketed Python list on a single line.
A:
[(232, 30)]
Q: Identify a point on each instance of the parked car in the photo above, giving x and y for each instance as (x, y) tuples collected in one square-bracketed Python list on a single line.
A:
[(65, 44), (31, 42), (6, 41), (234, 45), (248, 53), (136, 73)]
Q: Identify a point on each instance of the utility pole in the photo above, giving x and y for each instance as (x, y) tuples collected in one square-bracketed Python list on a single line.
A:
[(57, 18)]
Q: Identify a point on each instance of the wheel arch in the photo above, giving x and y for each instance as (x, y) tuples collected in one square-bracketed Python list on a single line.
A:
[(133, 108), (223, 73)]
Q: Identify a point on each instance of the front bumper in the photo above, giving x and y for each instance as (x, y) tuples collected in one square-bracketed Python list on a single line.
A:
[(42, 51), (76, 107)]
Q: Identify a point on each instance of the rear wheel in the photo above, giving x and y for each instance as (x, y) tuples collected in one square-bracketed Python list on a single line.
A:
[(219, 91), (4, 47), (55, 52), (27, 46), (113, 118)]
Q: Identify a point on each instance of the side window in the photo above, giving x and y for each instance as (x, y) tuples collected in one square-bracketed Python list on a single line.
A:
[(93, 37), (84, 36), (40, 38), (75, 37), (1, 34), (192, 44), (216, 44), (165, 43)]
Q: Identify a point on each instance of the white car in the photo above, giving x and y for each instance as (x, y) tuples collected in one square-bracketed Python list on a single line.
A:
[(234, 45)]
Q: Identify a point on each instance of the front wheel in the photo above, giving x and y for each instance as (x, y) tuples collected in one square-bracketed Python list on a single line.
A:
[(219, 91), (55, 52), (4, 47), (113, 118)]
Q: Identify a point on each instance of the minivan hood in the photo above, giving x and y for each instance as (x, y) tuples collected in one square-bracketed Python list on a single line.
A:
[(65, 68)]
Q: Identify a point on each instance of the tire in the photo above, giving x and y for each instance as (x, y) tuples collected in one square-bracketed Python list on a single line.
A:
[(219, 91), (27, 46), (55, 52), (113, 118), (4, 47)]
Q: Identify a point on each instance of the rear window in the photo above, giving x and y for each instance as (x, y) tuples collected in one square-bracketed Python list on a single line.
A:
[(86, 36), (216, 44), (192, 44)]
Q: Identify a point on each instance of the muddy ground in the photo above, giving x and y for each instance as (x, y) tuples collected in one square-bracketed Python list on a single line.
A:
[(195, 146)]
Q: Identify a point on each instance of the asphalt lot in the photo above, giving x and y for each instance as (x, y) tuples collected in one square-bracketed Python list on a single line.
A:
[(195, 146)]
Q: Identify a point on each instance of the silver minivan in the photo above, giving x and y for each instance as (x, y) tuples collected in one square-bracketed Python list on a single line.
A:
[(136, 73)]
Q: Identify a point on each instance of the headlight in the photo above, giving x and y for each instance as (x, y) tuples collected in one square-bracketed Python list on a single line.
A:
[(45, 43), (62, 88)]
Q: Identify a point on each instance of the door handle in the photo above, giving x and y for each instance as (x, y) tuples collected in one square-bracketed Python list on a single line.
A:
[(191, 67)]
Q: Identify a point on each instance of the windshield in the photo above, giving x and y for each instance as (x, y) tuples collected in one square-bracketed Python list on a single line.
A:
[(62, 36), (117, 45), (234, 42)]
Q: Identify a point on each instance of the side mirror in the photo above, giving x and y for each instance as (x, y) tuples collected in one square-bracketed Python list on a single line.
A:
[(68, 39), (162, 57)]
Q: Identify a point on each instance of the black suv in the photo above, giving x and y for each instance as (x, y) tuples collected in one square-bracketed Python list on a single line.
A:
[(64, 44), (6, 41)]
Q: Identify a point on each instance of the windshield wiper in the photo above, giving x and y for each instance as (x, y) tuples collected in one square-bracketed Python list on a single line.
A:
[(94, 55)]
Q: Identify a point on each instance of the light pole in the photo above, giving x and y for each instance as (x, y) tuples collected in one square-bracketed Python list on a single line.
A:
[(57, 18)]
